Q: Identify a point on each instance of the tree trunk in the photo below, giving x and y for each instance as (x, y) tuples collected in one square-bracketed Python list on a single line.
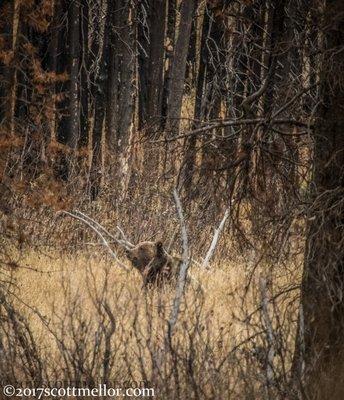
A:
[(191, 64), (190, 153), (126, 55), (12, 70), (53, 60), (176, 91), (277, 31), (126, 92), (99, 115), (214, 89), (4, 69), (323, 279), (143, 14), (119, 100), (156, 61), (73, 26), (61, 65), (68, 58), (154, 76), (215, 76), (113, 83), (84, 86), (170, 37)]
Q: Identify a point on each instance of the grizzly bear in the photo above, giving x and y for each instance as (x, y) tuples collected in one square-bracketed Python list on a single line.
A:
[(154, 263)]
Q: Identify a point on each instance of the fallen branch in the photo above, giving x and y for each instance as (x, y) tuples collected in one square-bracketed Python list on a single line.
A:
[(122, 242), (87, 222), (130, 245)]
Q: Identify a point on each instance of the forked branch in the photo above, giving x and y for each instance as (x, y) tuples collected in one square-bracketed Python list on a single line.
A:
[(97, 228), (124, 242)]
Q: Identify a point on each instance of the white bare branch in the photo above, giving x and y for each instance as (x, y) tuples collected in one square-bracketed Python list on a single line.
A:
[(124, 238), (101, 236), (183, 268), (269, 331), (215, 240), (122, 242)]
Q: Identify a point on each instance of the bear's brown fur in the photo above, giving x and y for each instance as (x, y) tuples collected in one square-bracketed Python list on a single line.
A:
[(154, 263)]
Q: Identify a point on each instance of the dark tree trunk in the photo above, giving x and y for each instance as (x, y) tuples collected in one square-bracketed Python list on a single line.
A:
[(69, 59), (84, 85), (277, 31), (117, 87), (170, 36), (23, 88), (251, 70), (113, 79), (176, 91), (198, 112), (143, 15), (4, 69), (11, 69), (191, 64), (61, 61), (247, 63), (215, 73), (74, 52), (156, 61), (190, 154), (151, 27), (99, 115), (53, 58), (323, 280), (127, 51), (210, 90), (120, 92)]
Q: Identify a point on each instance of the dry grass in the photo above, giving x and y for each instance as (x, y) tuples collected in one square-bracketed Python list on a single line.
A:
[(216, 350), (65, 296), (41, 285)]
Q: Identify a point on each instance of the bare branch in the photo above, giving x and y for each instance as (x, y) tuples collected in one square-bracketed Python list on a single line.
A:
[(122, 242), (183, 268), (215, 240), (269, 331), (104, 241), (234, 122), (124, 238), (108, 335), (291, 101)]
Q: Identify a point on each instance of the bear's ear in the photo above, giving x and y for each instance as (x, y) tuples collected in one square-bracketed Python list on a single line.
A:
[(159, 249)]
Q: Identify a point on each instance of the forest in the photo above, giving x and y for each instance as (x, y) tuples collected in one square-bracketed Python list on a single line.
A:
[(172, 199)]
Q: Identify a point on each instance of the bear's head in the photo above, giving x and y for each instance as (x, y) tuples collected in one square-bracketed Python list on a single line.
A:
[(143, 253)]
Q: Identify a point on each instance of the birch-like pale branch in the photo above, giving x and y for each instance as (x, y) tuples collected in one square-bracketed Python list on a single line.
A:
[(124, 242), (100, 235), (183, 268), (269, 331), (215, 240)]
